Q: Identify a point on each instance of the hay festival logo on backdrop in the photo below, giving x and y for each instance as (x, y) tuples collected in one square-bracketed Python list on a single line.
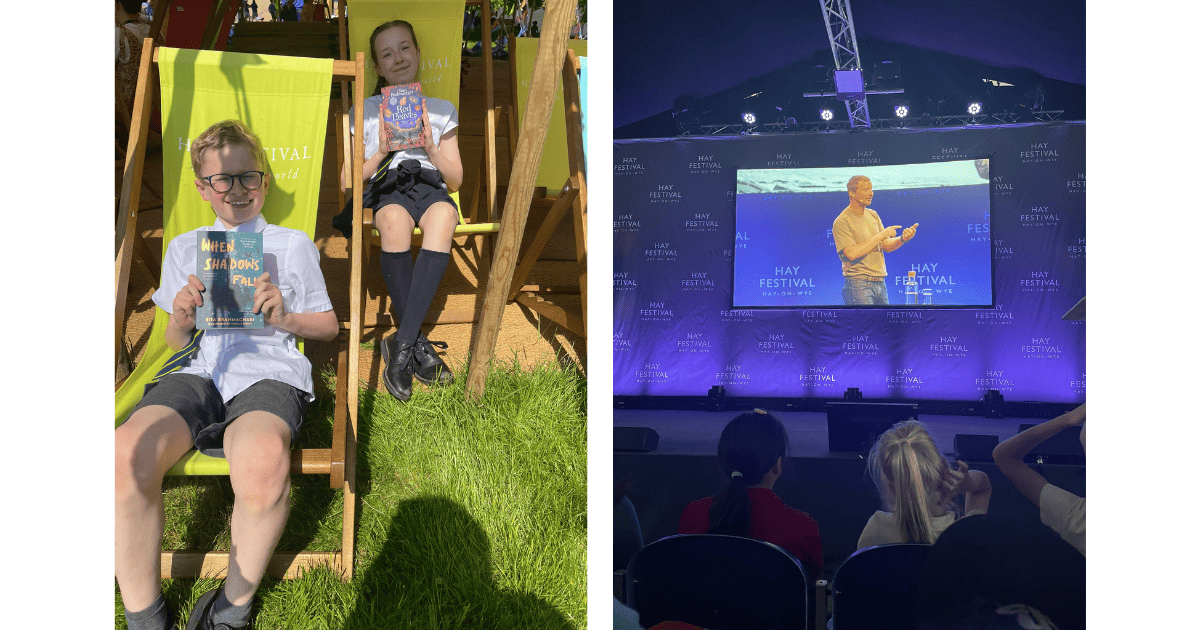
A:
[(629, 166), (651, 373), (656, 312), (704, 164), (1002, 186), (998, 316), (1077, 185), (904, 379), (949, 346), (662, 252), (1079, 386), (783, 160), (861, 345), (905, 317), (777, 344), (1040, 281), (1041, 348), (1039, 216), (666, 193), (694, 342), (626, 224), (621, 343), (737, 316), (733, 374), (623, 281), (701, 222), (822, 317), (1078, 250), (947, 153), (999, 380), (698, 281), (1004, 250), (1038, 152), (862, 158), (818, 375)]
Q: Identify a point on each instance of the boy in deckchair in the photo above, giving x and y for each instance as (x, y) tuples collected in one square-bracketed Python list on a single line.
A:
[(241, 395)]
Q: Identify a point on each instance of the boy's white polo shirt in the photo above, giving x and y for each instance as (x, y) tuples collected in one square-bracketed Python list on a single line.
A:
[(237, 359)]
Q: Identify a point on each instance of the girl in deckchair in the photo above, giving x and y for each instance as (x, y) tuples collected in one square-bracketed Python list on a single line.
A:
[(409, 188)]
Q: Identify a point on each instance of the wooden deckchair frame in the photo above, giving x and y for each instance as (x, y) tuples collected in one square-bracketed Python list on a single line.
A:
[(339, 460), (574, 196)]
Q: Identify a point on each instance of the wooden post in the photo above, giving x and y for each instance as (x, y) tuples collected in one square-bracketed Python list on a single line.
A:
[(131, 188), (489, 121), (559, 16)]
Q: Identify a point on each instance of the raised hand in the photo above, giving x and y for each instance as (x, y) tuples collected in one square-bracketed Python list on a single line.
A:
[(183, 308), (890, 231), (909, 232), (268, 300)]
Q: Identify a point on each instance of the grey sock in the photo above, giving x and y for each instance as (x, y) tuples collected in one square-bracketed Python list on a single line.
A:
[(153, 617), (223, 611)]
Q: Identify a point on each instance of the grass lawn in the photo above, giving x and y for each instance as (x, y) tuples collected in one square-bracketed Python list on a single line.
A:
[(471, 515)]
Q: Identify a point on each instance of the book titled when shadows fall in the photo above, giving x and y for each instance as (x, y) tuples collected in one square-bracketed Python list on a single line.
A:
[(228, 263)]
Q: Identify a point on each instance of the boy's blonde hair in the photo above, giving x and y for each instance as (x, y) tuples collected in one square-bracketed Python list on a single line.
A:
[(222, 134)]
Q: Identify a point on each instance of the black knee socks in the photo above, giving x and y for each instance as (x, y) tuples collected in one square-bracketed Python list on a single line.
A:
[(397, 275), (426, 276)]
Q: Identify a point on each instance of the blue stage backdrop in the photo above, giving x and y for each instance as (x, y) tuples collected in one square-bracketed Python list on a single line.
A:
[(676, 333)]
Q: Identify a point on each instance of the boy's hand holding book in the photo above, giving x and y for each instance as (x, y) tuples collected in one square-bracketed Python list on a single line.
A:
[(183, 309), (268, 300)]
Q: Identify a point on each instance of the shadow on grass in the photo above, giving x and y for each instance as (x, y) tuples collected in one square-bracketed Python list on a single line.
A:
[(435, 566)]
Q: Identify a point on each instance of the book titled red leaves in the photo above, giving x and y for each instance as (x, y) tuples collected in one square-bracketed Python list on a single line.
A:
[(400, 117)]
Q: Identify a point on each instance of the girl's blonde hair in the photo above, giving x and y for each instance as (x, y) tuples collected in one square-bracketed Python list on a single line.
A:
[(907, 469)]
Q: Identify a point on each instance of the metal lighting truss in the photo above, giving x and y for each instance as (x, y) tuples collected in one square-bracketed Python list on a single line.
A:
[(839, 25), (946, 122)]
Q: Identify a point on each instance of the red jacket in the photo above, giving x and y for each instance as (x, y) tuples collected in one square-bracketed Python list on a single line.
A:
[(770, 520)]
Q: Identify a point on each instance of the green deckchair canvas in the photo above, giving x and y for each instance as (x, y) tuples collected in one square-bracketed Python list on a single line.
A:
[(553, 169), (285, 100)]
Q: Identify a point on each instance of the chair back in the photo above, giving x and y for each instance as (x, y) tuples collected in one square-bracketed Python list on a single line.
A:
[(717, 582), (201, 87), (874, 587), (553, 169)]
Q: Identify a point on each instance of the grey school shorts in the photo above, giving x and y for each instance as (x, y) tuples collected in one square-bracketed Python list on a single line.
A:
[(196, 399)]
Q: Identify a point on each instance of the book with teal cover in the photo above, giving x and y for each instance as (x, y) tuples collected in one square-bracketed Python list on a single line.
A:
[(228, 263), (400, 117)]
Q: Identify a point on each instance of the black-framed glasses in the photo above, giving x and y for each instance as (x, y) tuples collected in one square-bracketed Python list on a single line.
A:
[(223, 182)]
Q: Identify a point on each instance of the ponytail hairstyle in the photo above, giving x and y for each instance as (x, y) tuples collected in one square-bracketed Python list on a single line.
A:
[(750, 445), (379, 82), (907, 469)]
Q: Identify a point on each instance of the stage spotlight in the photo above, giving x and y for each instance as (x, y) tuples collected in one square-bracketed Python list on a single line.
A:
[(826, 114), (975, 108), (901, 111), (748, 118), (852, 393)]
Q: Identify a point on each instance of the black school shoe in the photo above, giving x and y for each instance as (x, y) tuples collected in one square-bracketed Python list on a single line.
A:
[(201, 617), (398, 367), (428, 367)]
